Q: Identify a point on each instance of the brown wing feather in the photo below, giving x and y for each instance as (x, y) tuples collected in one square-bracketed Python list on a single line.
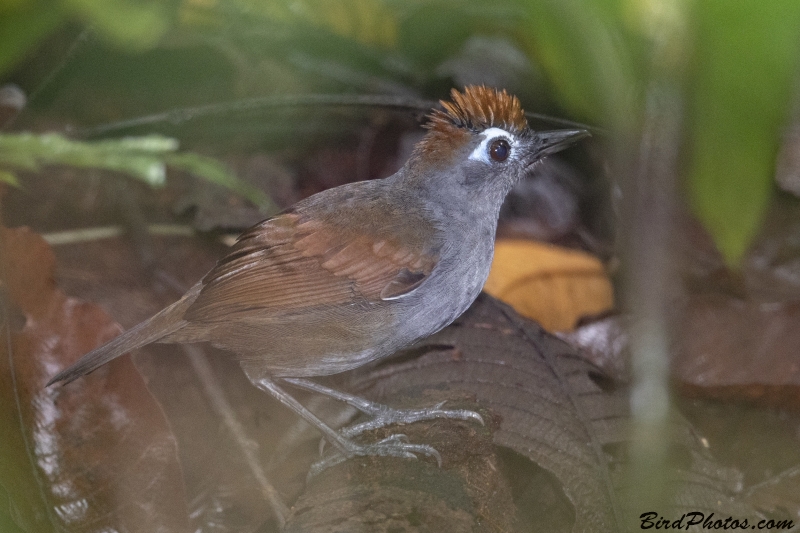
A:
[(286, 264)]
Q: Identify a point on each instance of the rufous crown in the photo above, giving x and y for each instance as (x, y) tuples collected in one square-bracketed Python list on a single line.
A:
[(479, 108), (473, 111)]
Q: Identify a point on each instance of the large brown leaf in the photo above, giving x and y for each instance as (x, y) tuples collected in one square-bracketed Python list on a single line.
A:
[(97, 455), (559, 411), (734, 348), (553, 285), (221, 487), (737, 334)]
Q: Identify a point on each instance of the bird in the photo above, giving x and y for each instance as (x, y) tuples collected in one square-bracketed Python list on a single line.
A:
[(358, 272)]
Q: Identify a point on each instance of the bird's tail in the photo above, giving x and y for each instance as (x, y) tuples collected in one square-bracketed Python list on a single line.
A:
[(153, 329)]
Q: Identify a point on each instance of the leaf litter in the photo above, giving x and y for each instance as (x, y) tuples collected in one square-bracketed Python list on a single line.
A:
[(98, 456)]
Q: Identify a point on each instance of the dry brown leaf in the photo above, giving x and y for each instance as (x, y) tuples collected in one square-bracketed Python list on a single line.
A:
[(96, 455), (740, 349), (220, 485), (555, 409), (554, 286)]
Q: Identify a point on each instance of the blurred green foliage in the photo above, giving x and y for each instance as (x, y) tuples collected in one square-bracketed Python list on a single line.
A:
[(8, 177), (366, 21), (7, 524), (135, 24), (743, 73), (736, 63), (145, 158), (590, 67)]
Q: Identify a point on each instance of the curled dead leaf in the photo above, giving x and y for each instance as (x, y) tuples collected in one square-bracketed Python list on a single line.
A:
[(554, 286), (97, 455)]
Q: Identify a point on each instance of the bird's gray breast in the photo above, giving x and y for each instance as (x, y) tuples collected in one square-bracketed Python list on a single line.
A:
[(452, 287)]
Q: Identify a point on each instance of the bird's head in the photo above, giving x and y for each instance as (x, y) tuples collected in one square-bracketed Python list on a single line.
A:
[(481, 141)]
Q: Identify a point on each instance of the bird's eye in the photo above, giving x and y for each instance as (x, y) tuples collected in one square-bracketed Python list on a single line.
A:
[(499, 150)]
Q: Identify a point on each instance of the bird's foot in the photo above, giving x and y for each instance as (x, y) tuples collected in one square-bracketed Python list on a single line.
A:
[(379, 416), (393, 446), (383, 416)]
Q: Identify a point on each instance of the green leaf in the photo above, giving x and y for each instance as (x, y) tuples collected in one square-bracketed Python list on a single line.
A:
[(144, 158), (7, 524), (149, 143), (8, 177), (371, 22), (213, 171), (745, 63), (22, 26), (579, 46), (137, 25), (141, 158)]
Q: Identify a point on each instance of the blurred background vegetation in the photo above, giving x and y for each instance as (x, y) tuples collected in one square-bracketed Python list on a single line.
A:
[(694, 102), (733, 63)]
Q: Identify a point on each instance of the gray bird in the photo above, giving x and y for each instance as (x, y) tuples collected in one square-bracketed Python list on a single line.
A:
[(358, 272)]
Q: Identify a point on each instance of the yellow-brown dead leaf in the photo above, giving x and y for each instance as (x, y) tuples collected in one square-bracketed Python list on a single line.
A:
[(554, 286)]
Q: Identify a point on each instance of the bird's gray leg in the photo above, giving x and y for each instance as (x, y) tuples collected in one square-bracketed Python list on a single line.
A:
[(393, 446), (382, 415)]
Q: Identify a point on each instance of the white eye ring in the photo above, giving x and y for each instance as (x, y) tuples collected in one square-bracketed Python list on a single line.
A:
[(480, 153)]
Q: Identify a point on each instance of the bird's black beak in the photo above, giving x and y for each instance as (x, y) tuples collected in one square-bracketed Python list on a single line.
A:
[(550, 142)]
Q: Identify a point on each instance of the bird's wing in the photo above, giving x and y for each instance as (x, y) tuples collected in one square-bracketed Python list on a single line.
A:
[(289, 263)]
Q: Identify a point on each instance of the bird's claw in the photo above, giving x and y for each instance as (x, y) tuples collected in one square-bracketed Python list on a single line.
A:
[(396, 445), (385, 416), (390, 416)]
